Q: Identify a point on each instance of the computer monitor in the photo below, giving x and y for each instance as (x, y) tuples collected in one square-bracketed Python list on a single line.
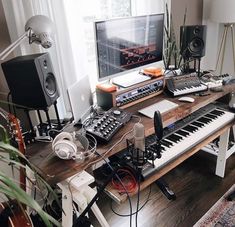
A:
[(127, 44)]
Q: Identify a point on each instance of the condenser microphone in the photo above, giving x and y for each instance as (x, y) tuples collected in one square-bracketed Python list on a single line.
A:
[(139, 137), (139, 145)]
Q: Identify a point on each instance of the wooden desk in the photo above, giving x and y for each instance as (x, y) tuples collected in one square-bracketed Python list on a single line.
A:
[(55, 170)]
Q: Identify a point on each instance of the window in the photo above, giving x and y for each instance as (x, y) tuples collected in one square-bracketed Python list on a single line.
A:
[(93, 10), (104, 9)]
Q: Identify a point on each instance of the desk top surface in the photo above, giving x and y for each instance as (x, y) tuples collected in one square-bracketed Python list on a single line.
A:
[(55, 170)]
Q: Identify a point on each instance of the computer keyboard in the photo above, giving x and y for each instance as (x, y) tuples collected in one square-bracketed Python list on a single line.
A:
[(130, 79), (162, 106)]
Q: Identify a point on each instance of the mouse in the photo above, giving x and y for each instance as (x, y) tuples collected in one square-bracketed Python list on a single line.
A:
[(186, 99)]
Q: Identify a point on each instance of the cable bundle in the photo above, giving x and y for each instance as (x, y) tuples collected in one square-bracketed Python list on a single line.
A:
[(128, 181)]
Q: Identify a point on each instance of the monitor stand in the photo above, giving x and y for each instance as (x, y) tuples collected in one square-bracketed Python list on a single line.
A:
[(130, 79)]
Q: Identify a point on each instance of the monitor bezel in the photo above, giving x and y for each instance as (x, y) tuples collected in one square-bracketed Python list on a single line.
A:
[(137, 69)]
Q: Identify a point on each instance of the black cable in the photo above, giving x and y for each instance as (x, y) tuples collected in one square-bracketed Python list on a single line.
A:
[(138, 198), (8, 102), (128, 196), (127, 215)]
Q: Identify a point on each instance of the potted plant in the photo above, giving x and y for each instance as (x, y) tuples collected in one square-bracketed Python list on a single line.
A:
[(171, 55), (11, 190)]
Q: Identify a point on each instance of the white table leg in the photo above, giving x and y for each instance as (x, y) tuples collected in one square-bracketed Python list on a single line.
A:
[(221, 159), (67, 215)]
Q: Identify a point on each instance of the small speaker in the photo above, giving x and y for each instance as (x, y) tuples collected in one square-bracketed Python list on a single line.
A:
[(31, 80), (193, 41)]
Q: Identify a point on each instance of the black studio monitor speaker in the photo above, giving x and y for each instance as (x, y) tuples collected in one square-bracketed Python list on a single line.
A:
[(31, 81), (192, 41)]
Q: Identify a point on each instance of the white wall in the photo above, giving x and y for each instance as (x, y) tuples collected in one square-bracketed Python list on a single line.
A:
[(214, 35)]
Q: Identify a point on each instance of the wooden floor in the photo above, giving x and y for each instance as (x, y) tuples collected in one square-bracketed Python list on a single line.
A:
[(196, 186)]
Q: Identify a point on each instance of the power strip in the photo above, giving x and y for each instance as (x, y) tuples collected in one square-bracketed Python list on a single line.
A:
[(80, 180)]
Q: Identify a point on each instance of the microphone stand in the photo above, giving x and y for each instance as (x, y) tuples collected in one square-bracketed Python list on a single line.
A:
[(161, 183), (81, 220)]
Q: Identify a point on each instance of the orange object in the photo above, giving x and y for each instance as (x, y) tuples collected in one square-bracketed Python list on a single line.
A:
[(153, 71), (107, 87)]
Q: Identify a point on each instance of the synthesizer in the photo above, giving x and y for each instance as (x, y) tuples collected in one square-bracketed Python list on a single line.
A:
[(185, 84), (185, 134)]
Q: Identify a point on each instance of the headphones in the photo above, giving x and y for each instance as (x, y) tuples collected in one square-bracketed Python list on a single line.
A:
[(70, 146)]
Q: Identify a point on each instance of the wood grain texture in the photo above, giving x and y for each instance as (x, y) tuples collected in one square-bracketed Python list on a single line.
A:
[(55, 170)]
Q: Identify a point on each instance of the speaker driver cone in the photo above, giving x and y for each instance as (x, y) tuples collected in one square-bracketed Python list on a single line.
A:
[(196, 45), (50, 84)]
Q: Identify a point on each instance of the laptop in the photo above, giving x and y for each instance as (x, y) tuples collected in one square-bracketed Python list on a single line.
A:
[(80, 96)]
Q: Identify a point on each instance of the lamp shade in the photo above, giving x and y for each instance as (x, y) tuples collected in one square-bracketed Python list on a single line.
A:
[(222, 11), (42, 29)]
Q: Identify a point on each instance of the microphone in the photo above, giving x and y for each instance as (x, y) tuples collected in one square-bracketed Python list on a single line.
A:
[(139, 143), (158, 132), (158, 125), (139, 136)]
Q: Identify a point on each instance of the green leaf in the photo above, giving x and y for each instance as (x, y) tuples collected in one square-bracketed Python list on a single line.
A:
[(15, 192)]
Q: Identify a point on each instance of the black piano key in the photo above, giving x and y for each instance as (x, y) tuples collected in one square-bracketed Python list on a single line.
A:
[(195, 127), (217, 112), (198, 124), (189, 128), (172, 138), (203, 124), (211, 116), (175, 137), (163, 148), (166, 143), (182, 133), (209, 119), (204, 120)]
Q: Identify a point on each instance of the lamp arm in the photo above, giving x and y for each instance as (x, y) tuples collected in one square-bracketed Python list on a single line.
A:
[(10, 48)]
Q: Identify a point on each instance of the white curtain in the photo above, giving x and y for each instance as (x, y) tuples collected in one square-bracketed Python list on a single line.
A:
[(67, 69), (72, 41), (140, 7)]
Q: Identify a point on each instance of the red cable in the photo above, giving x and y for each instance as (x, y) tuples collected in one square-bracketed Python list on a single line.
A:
[(128, 181)]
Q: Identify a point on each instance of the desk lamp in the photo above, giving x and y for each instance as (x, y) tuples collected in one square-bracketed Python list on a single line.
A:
[(222, 11), (38, 29)]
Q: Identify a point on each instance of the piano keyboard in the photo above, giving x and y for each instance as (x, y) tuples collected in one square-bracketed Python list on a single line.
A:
[(185, 84), (185, 134), (190, 89)]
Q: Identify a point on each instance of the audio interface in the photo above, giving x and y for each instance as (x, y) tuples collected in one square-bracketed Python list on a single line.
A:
[(130, 96), (107, 125)]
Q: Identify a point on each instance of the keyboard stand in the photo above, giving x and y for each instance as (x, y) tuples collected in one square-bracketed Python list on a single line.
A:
[(164, 187)]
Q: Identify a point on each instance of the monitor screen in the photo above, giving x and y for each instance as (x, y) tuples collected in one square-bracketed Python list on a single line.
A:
[(128, 44)]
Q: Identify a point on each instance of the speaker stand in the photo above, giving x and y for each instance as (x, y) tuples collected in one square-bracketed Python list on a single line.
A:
[(41, 130), (29, 119), (57, 116), (196, 66), (48, 118)]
